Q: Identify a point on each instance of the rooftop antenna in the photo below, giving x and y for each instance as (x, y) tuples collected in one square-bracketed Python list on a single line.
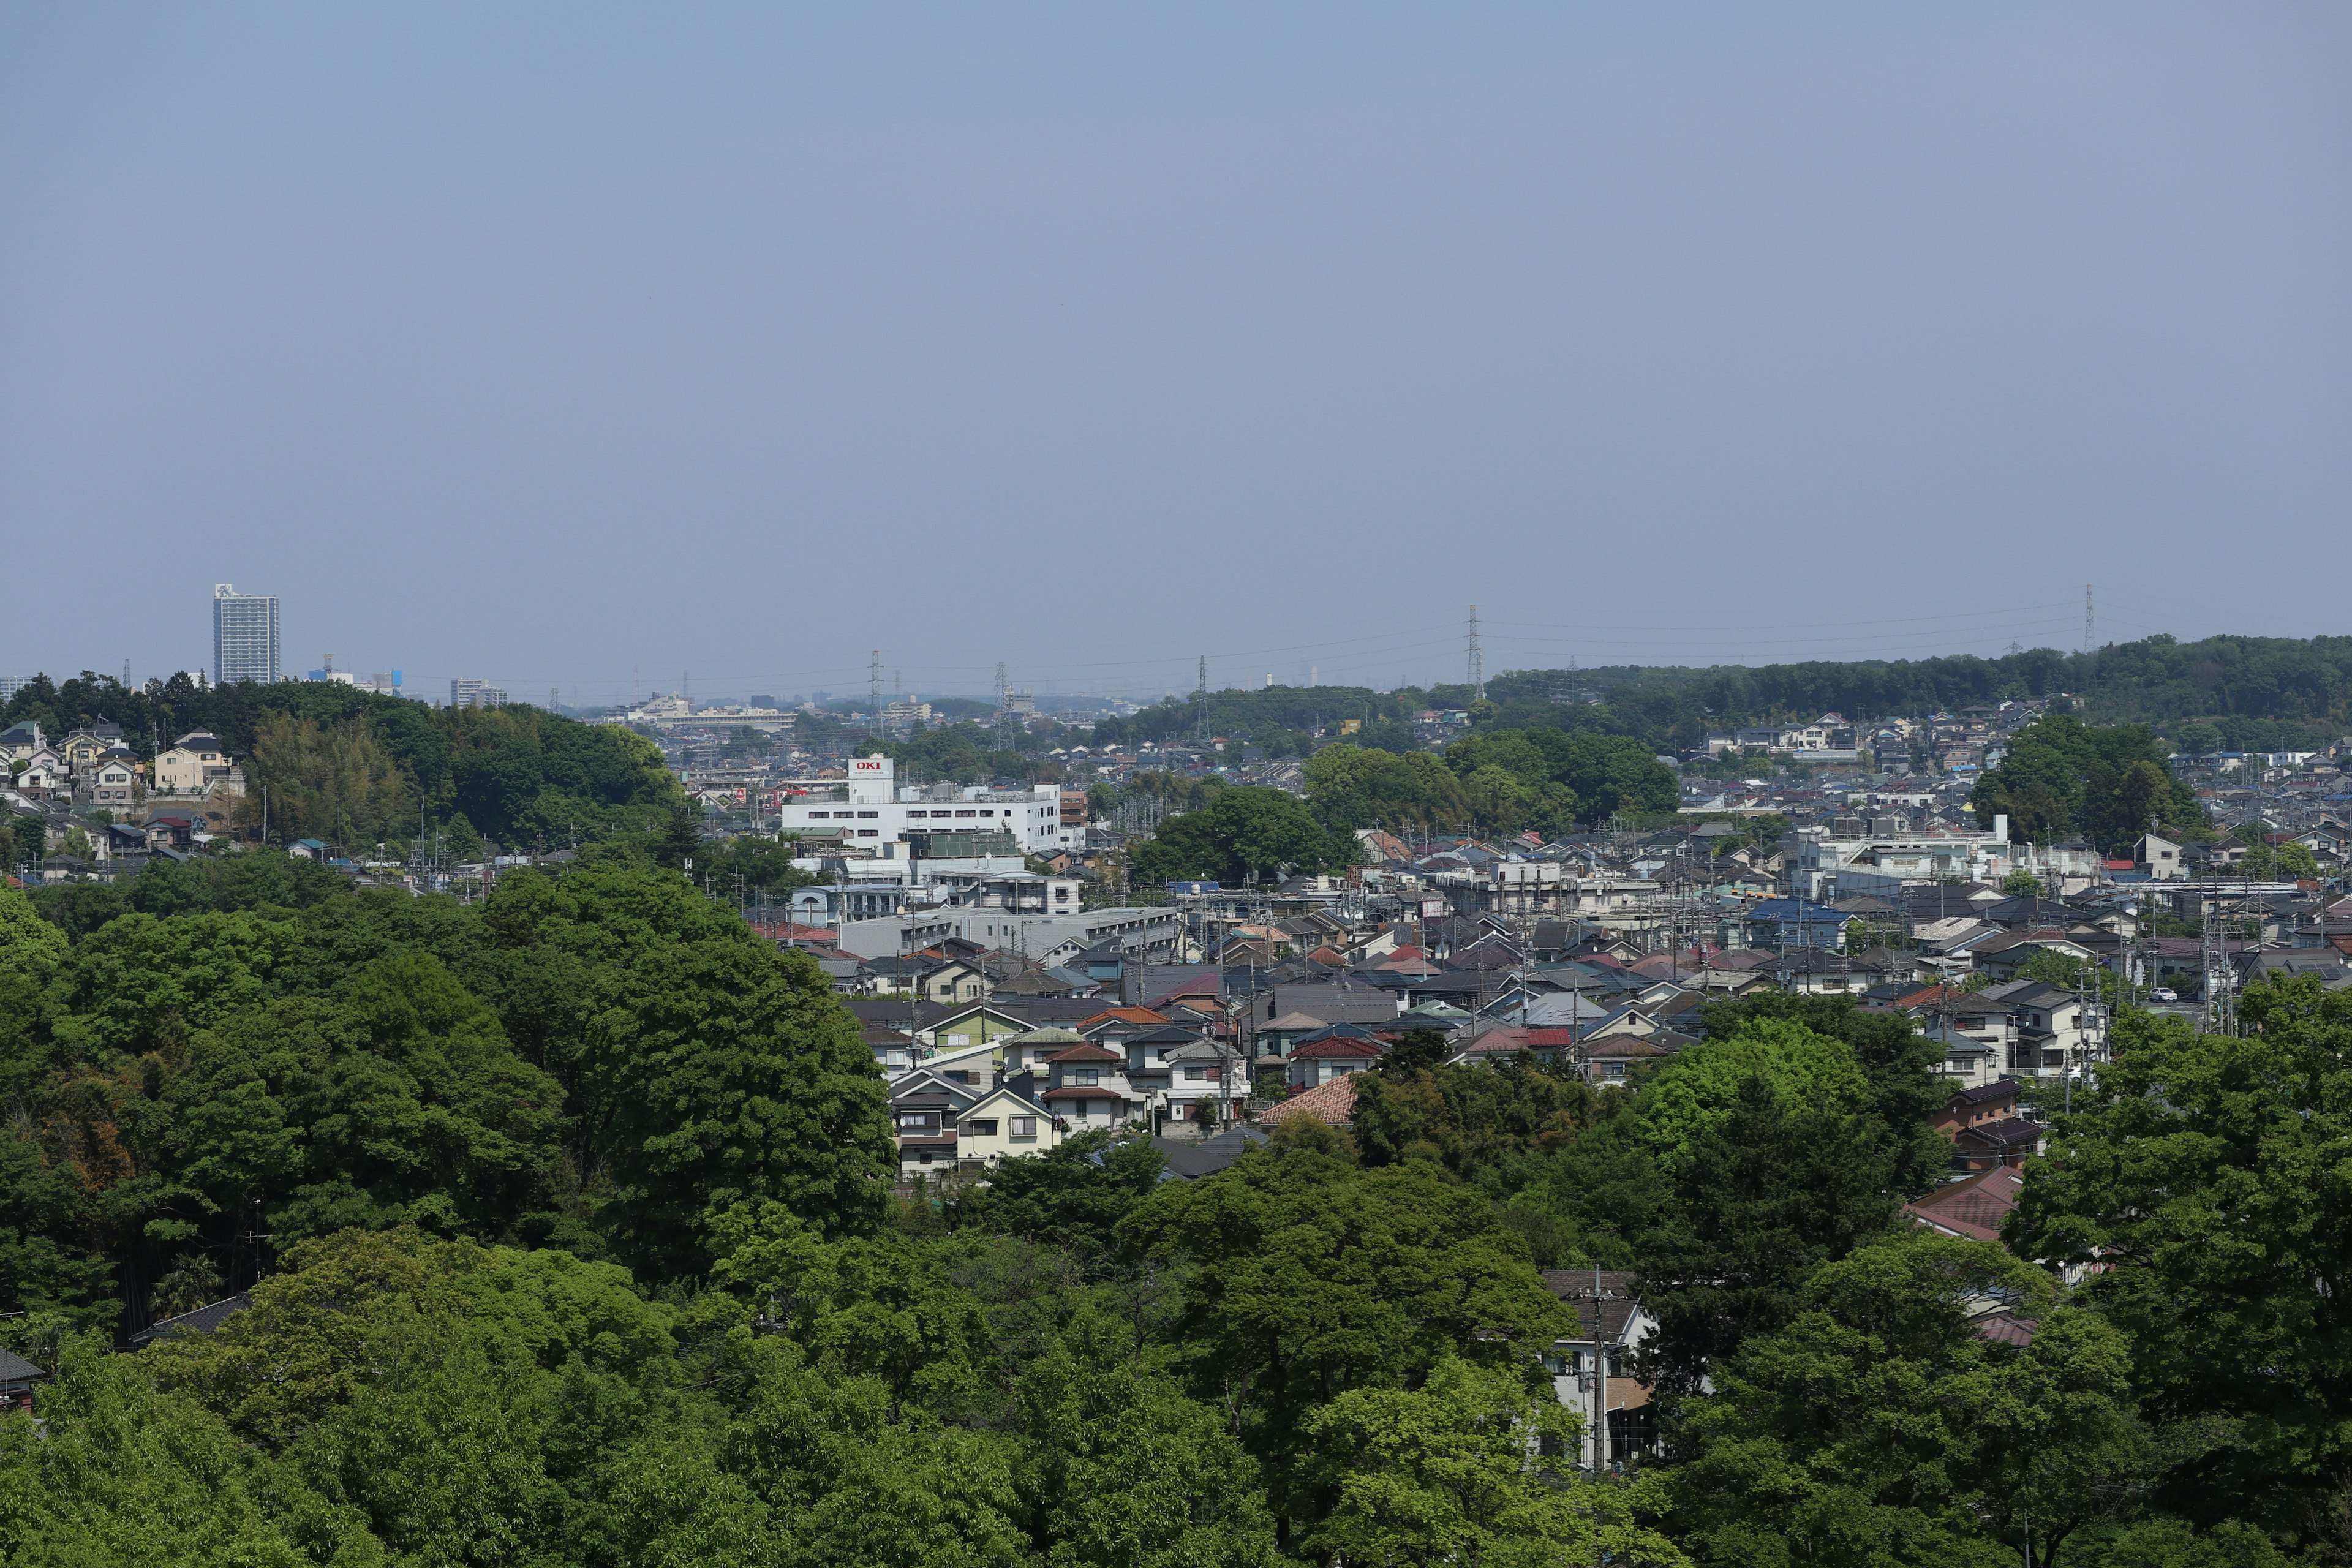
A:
[(1477, 661)]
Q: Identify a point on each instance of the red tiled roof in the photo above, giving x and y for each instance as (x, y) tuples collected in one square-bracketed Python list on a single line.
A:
[(1088, 1052), (1973, 1209), (1084, 1091), (1124, 1015), (1353, 1050), (1334, 1103)]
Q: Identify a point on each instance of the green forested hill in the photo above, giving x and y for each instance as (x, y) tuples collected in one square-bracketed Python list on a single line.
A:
[(2246, 693), (2255, 693), (353, 768)]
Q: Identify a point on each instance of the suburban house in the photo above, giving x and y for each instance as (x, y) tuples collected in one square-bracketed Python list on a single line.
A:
[(1333, 1053), (1591, 1370), (1003, 1123), (114, 779), (189, 763), (1086, 1087)]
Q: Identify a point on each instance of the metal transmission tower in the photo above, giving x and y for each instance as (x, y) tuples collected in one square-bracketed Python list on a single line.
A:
[(1201, 700), (1477, 661), (2090, 622), (1004, 710), (874, 682)]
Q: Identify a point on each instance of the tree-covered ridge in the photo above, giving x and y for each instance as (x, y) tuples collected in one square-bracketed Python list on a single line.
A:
[(2259, 693), (2240, 693), (354, 767)]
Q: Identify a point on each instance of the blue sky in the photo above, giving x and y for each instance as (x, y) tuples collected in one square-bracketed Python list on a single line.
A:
[(579, 346)]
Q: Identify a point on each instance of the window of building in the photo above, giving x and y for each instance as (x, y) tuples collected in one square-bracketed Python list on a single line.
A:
[(993, 813), (869, 833), (967, 813), (819, 816), (869, 813), (983, 1127), (1024, 1127), (1086, 1077)]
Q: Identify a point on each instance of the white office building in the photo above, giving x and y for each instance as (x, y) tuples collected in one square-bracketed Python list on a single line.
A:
[(873, 813), (245, 636)]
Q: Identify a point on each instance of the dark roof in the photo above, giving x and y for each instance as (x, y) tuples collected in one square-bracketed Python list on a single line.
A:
[(2008, 1133), (1574, 1285), (14, 1369), (1190, 1162), (1985, 1094), (203, 1321)]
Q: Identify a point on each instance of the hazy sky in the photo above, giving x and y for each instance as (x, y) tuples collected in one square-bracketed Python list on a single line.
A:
[(582, 345)]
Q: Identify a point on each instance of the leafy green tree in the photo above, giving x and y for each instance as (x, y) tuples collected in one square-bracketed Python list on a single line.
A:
[(1880, 1426), (1308, 1278), (2198, 1168), (1071, 1196), (118, 1472), (1441, 1474), (2022, 885), (1243, 834), (735, 1075), (2109, 782), (1351, 786), (1760, 1194), (1699, 1091), (335, 781), (1467, 1117), (1898, 1061)]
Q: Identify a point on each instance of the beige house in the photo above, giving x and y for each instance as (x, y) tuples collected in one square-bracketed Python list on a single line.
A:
[(1001, 1125), (193, 761)]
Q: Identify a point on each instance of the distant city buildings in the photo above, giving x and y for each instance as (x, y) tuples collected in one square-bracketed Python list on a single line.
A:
[(464, 693), (245, 636), (385, 683)]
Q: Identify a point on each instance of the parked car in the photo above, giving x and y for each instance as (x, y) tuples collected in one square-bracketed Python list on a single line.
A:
[(2164, 993)]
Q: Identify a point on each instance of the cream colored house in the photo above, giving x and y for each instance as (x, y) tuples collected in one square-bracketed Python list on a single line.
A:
[(1001, 1125), (193, 761)]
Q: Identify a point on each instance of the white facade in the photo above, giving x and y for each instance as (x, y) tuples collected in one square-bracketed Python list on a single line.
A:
[(873, 813)]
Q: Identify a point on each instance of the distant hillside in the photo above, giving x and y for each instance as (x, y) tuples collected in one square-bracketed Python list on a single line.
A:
[(353, 767), (2244, 693), (1280, 718)]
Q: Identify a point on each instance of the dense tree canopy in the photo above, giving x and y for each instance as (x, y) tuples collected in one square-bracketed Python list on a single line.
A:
[(570, 1235), (2109, 782), (595, 1058), (1239, 835)]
